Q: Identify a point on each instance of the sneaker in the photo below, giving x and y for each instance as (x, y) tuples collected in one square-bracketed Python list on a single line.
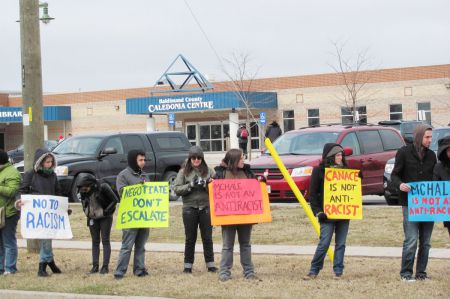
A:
[(118, 277), (310, 276), (421, 277), (212, 269), (187, 270), (337, 276), (252, 276), (224, 278), (408, 279), (143, 274), (6, 273)]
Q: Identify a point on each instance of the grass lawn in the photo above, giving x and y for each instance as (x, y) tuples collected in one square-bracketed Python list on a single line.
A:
[(381, 226), (281, 278)]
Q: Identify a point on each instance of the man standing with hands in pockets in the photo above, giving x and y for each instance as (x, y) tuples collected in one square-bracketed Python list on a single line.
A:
[(414, 163)]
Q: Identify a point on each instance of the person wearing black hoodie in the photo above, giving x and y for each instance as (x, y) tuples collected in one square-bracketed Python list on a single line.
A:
[(42, 180), (99, 203), (136, 237), (273, 131), (332, 157), (414, 163), (441, 170)]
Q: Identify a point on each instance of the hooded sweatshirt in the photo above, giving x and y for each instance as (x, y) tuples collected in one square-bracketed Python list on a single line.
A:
[(316, 186), (40, 180), (131, 175), (413, 163), (441, 170), (273, 131)]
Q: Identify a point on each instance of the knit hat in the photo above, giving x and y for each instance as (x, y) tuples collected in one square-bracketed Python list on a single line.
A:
[(196, 151), (3, 157)]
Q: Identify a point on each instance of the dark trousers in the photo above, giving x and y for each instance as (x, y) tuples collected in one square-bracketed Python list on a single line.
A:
[(101, 228), (243, 147), (192, 219)]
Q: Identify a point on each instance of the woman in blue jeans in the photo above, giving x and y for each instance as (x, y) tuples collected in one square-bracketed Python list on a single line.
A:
[(42, 180), (332, 157)]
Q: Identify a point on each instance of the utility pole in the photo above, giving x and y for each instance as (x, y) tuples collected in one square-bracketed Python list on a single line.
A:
[(33, 124)]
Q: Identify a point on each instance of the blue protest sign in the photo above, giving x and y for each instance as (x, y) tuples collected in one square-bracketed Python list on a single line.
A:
[(262, 118), (429, 201)]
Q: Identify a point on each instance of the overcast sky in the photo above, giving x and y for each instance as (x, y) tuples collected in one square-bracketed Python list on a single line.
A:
[(109, 44)]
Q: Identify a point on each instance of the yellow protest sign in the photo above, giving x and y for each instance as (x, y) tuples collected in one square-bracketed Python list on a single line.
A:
[(342, 197), (144, 205)]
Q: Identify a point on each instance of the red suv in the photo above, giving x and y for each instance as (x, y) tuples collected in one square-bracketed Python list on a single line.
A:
[(301, 150)]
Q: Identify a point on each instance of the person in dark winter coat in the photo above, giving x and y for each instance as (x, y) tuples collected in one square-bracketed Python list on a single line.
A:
[(136, 237), (233, 167), (42, 180), (273, 131), (192, 184), (332, 157), (441, 170), (414, 163), (243, 135), (99, 203)]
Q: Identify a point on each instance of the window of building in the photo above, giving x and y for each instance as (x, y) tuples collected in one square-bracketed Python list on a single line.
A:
[(347, 115), (288, 120), (424, 112), (313, 117), (211, 137), (191, 133), (395, 112)]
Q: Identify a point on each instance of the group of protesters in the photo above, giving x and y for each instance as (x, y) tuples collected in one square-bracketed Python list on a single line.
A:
[(414, 162)]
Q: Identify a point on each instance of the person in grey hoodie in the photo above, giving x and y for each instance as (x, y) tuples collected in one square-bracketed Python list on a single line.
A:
[(191, 184), (136, 237)]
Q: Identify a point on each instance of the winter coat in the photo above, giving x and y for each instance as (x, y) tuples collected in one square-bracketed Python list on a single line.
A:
[(36, 181), (131, 175), (273, 131), (409, 167), (441, 170), (221, 171), (238, 135), (9, 185), (193, 197)]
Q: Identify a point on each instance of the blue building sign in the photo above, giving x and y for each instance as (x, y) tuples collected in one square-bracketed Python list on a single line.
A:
[(51, 113), (262, 118), (202, 101), (171, 118)]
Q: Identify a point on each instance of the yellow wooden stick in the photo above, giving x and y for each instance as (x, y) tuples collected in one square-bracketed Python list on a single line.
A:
[(297, 192)]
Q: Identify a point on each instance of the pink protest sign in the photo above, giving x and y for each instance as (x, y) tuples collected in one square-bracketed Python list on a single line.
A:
[(237, 197)]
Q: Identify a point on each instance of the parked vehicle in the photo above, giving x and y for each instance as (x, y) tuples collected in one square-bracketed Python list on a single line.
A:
[(301, 150), (390, 192), (16, 155), (406, 127), (105, 155)]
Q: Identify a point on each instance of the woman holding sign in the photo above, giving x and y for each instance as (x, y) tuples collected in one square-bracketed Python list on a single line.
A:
[(233, 167), (191, 184), (42, 180), (332, 157)]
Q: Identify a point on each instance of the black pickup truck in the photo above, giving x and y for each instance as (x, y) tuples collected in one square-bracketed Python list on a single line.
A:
[(105, 155)]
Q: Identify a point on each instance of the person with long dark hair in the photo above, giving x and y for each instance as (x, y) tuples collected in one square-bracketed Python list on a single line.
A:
[(233, 167), (191, 184)]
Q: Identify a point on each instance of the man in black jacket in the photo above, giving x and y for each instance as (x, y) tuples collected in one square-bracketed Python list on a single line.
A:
[(414, 163), (442, 169)]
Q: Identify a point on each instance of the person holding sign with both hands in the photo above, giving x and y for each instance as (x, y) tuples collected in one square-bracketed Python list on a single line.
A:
[(332, 157), (191, 184), (233, 167)]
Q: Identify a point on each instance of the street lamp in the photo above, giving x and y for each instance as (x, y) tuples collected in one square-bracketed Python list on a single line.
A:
[(45, 17)]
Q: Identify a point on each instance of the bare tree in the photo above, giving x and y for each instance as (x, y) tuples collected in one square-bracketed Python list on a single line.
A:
[(353, 78), (241, 79)]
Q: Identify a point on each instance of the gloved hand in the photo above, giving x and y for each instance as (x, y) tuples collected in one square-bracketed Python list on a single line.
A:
[(193, 182), (321, 216)]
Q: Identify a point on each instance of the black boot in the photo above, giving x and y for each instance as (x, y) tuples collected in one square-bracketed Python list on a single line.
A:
[(42, 270), (104, 269), (54, 268), (94, 269)]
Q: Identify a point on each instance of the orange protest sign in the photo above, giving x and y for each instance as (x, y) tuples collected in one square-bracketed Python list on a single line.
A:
[(240, 201)]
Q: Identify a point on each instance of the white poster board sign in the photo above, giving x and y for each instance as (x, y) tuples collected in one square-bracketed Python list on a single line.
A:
[(45, 217)]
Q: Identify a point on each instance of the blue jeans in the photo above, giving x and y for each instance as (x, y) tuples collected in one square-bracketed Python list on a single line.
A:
[(340, 228), (46, 251), (136, 237), (415, 231), (8, 245)]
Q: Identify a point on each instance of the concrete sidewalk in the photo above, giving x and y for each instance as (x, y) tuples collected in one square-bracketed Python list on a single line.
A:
[(356, 251)]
